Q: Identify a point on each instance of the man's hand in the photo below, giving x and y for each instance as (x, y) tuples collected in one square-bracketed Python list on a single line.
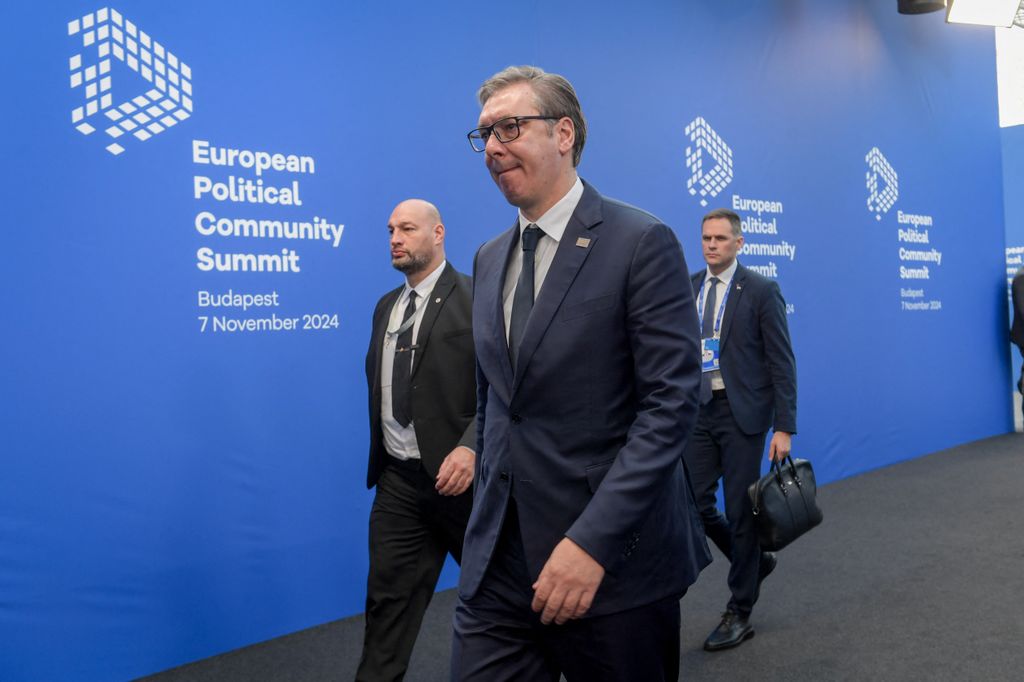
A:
[(780, 447), (567, 584), (456, 472)]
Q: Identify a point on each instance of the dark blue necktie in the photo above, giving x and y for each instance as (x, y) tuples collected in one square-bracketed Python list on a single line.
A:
[(522, 301), (401, 396), (707, 330)]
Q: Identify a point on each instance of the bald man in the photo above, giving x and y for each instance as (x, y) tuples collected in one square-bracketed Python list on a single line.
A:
[(420, 371)]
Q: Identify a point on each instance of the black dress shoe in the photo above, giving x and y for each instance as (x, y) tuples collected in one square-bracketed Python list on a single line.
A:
[(768, 563), (732, 631)]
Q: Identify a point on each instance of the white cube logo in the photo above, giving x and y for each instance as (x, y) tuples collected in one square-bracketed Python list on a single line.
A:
[(881, 198), (159, 98), (707, 179)]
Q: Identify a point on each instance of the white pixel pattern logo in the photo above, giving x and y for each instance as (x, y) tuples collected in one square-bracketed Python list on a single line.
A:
[(167, 81), (706, 143), (880, 202)]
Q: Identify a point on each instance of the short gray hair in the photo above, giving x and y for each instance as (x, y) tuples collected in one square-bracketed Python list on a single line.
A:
[(731, 216), (553, 96)]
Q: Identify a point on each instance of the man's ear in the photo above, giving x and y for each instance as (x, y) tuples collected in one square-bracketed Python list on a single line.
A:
[(566, 131)]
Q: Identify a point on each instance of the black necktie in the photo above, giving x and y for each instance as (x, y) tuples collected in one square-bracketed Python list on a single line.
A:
[(401, 403), (522, 301), (707, 330)]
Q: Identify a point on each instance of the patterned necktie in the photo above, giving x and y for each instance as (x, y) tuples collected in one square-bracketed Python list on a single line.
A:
[(707, 332), (522, 301), (401, 396)]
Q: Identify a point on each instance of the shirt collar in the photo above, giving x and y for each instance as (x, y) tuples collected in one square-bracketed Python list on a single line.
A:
[(726, 275), (424, 288), (554, 221)]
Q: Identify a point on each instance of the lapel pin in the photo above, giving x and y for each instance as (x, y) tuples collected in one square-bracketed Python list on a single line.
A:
[(583, 242), (437, 300)]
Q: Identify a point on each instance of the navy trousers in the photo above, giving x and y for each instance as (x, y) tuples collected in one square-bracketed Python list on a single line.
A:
[(499, 638), (718, 449)]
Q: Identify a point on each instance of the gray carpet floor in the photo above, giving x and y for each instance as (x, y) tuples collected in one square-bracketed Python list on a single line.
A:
[(917, 573)]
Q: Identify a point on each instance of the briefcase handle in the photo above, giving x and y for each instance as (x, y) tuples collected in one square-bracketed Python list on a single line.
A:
[(776, 468), (792, 470)]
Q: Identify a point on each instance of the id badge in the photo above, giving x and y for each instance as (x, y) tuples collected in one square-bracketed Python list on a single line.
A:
[(709, 354)]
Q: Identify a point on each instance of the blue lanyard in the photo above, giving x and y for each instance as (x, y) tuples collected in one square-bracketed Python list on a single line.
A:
[(721, 306)]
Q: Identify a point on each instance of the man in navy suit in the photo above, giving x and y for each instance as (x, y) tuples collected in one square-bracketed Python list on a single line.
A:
[(748, 386), (584, 534), (1017, 330)]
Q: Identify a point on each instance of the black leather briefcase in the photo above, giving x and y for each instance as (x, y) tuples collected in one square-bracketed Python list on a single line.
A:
[(785, 504)]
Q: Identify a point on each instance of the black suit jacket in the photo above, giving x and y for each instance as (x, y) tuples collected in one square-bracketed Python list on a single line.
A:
[(1017, 291), (443, 374), (756, 357)]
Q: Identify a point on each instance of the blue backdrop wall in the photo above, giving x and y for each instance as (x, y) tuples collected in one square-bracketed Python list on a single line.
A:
[(1013, 180), (181, 479)]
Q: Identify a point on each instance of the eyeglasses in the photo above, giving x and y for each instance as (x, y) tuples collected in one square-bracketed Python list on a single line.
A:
[(506, 130)]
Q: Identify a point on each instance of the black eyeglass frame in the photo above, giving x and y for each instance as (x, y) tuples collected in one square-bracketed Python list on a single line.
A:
[(478, 133)]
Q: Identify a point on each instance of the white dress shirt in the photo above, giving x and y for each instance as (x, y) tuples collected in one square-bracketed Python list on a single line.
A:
[(552, 225), (400, 441), (724, 281)]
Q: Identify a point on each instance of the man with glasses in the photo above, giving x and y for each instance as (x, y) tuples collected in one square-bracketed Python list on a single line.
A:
[(420, 373), (584, 534)]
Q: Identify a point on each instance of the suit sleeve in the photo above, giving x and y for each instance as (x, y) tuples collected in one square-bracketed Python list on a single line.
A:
[(464, 290), (661, 325), (779, 356), (468, 439), (373, 396), (1017, 298), (481, 397)]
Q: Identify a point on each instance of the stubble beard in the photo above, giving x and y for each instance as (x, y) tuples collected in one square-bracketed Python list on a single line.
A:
[(413, 264)]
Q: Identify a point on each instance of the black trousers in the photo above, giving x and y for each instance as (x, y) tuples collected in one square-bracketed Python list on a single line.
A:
[(718, 449), (412, 529), (499, 638)]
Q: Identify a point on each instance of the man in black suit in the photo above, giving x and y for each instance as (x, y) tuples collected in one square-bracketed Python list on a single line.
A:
[(420, 372), (748, 386), (1017, 330)]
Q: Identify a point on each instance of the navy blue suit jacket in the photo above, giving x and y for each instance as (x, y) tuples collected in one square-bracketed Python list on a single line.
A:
[(1017, 295), (588, 434), (755, 354)]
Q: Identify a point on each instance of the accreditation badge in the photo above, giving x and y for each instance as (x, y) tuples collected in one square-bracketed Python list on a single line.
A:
[(709, 354)]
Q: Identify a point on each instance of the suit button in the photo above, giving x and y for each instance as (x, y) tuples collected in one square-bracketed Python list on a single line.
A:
[(503, 475), (516, 419)]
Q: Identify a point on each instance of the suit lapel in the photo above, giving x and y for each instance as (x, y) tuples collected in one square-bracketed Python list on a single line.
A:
[(698, 281), (568, 260), (495, 282), (735, 292), (444, 286)]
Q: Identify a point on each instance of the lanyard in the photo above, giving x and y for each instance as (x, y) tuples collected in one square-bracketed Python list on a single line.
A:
[(721, 306), (417, 314)]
